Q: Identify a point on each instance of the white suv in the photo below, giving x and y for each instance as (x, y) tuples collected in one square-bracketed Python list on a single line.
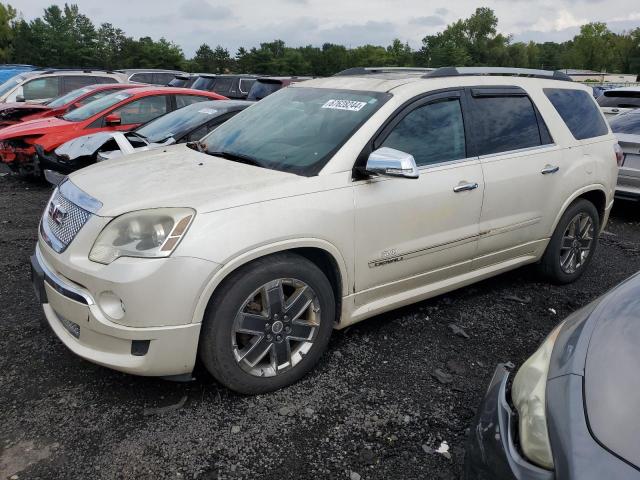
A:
[(39, 86), (326, 203)]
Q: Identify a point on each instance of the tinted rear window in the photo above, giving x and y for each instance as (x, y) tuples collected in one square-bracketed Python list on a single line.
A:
[(505, 123), (579, 112), (620, 99), (262, 88), (627, 123)]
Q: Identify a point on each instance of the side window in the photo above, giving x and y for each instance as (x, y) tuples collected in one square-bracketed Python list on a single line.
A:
[(222, 85), (105, 80), (505, 123), (184, 100), (245, 85), (142, 110), (162, 78), (73, 82), (579, 112), (432, 133), (40, 88), (142, 77)]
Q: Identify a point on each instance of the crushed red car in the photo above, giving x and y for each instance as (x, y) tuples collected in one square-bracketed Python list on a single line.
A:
[(16, 112), (25, 145)]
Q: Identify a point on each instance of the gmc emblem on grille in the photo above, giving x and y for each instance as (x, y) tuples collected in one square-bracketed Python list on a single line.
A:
[(57, 213)]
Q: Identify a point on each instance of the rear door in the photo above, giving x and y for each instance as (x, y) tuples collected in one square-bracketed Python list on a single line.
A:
[(410, 233), (524, 171)]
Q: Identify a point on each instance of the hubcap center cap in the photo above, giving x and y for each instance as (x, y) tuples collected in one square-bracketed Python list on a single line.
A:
[(277, 327)]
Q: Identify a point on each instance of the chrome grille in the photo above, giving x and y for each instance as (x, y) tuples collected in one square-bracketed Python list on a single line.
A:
[(64, 218)]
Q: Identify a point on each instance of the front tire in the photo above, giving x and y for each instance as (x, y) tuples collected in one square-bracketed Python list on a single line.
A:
[(268, 324), (572, 244)]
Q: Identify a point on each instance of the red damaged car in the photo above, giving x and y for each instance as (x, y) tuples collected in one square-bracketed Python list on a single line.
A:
[(23, 145), (16, 112)]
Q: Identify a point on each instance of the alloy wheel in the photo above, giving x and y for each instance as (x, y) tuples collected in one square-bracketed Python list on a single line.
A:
[(576, 243), (275, 327)]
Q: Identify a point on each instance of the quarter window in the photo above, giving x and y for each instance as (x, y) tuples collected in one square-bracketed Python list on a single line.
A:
[(79, 81), (579, 111), (432, 133), (143, 110), (505, 123)]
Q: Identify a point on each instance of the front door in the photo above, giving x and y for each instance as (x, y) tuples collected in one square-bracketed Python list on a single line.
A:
[(413, 232)]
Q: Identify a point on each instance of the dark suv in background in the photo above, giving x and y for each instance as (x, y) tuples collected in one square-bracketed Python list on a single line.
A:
[(265, 86), (231, 86)]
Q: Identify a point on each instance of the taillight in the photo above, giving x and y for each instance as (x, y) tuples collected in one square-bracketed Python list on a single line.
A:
[(619, 154)]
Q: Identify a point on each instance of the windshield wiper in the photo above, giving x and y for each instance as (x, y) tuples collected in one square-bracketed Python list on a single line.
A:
[(237, 157)]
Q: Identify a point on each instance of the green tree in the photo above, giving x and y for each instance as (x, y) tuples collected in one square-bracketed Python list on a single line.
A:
[(7, 16), (594, 46)]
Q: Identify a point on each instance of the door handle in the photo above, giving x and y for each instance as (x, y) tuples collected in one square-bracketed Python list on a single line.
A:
[(549, 169), (465, 187)]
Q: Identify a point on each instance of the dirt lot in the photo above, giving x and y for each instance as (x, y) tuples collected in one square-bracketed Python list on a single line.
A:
[(372, 409)]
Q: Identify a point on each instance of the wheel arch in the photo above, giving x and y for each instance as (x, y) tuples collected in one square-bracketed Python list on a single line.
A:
[(594, 194), (320, 252)]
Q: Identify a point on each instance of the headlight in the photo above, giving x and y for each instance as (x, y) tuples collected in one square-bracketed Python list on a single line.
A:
[(145, 233), (528, 395)]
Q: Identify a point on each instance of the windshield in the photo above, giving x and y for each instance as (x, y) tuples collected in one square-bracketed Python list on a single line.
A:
[(69, 97), (620, 99), (91, 109), (9, 84), (296, 129), (627, 123), (179, 122)]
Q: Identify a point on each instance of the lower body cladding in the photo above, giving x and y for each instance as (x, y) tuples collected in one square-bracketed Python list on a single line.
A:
[(82, 325), (492, 452)]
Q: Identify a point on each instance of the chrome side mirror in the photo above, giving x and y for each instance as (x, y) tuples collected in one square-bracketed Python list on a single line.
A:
[(389, 162)]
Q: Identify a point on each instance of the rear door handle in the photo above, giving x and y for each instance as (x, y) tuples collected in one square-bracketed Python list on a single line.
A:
[(464, 187), (549, 169)]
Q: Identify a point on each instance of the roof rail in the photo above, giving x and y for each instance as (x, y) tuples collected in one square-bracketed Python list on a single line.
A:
[(505, 71), (80, 69), (373, 70)]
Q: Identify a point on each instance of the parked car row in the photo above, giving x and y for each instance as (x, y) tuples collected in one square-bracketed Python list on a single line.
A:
[(28, 147)]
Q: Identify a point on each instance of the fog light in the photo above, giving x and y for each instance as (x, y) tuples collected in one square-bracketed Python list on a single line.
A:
[(72, 328), (112, 305), (139, 348)]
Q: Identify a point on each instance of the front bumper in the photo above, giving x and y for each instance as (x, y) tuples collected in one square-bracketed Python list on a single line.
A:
[(491, 453), (79, 323)]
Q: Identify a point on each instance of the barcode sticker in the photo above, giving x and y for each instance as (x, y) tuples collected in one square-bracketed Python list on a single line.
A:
[(350, 105)]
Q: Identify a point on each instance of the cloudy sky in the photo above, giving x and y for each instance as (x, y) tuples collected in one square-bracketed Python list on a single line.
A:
[(234, 23)]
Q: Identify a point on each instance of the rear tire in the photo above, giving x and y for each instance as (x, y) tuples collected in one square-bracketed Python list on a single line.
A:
[(572, 244), (268, 324)]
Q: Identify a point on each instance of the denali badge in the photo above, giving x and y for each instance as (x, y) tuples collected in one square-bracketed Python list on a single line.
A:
[(57, 213)]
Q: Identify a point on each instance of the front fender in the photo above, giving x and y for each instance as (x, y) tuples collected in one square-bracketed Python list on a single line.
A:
[(247, 256)]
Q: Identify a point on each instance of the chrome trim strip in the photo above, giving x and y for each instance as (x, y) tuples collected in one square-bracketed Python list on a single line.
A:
[(61, 286), (49, 238), (80, 198), (379, 262), (518, 150)]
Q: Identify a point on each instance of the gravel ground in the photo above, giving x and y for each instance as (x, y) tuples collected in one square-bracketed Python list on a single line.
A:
[(372, 409)]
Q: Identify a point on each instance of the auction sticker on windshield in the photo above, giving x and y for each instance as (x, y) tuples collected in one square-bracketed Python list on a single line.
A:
[(351, 105)]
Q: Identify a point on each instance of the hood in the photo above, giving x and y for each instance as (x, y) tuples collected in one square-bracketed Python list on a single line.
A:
[(13, 112), (84, 145), (178, 176), (39, 126), (611, 385)]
